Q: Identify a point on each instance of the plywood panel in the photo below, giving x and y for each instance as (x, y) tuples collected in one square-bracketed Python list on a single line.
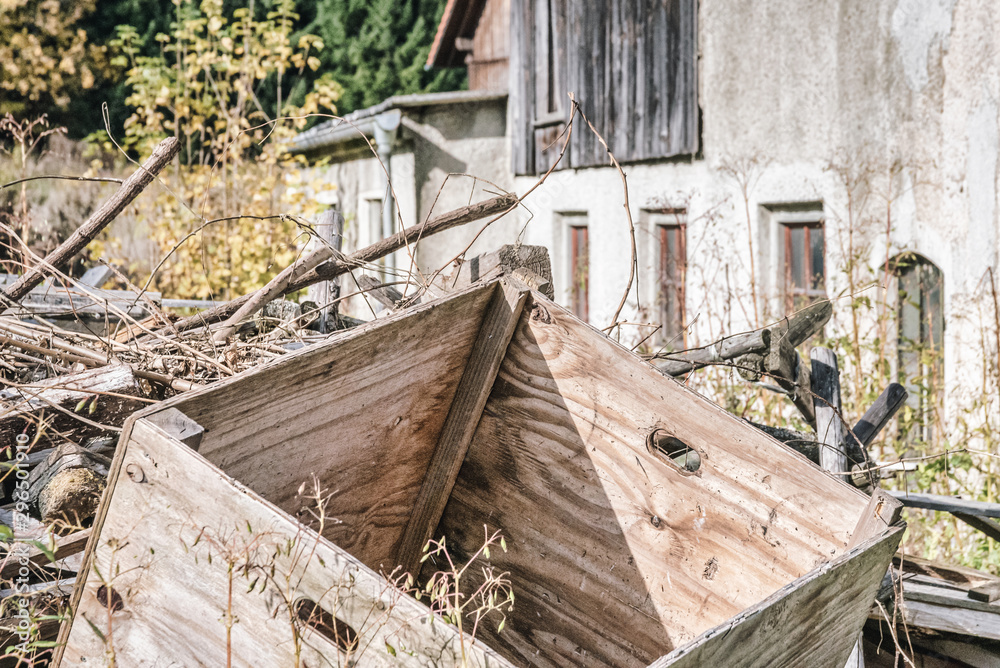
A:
[(615, 556), (812, 622), (362, 412), (182, 550)]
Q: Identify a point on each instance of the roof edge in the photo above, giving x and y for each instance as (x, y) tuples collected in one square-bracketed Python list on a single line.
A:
[(361, 123)]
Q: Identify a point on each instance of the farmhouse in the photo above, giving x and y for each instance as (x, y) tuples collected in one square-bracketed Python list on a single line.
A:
[(776, 153)]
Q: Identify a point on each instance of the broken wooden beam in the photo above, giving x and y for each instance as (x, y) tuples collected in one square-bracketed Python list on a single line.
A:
[(798, 327), (727, 348), (878, 415), (129, 190), (333, 268), (948, 504), (505, 261)]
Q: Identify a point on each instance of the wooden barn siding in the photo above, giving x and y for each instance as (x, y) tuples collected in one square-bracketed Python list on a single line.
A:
[(632, 65), (489, 61)]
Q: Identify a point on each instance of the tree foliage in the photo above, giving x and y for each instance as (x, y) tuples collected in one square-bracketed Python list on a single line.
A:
[(222, 223), (378, 48), (46, 57)]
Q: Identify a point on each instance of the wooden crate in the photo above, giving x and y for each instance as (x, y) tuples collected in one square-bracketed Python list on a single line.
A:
[(491, 407)]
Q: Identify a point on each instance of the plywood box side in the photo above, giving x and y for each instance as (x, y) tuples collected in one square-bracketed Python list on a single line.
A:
[(171, 580), (102, 510), (616, 557), (363, 413), (813, 621)]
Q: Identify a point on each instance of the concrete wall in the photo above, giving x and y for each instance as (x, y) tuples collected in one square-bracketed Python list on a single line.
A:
[(885, 113)]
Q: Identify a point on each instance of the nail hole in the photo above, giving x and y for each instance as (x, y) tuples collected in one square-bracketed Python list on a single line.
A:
[(673, 451), (109, 598), (335, 630)]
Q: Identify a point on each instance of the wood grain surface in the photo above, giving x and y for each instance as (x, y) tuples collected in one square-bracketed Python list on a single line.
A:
[(363, 413), (181, 540), (616, 557), (785, 629)]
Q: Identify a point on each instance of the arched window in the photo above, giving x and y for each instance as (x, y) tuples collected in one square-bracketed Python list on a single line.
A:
[(920, 341)]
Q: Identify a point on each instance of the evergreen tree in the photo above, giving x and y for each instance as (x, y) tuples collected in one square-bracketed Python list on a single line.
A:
[(377, 48)]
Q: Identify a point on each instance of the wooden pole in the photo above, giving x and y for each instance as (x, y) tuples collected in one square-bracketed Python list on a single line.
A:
[(162, 154), (826, 404), (830, 436)]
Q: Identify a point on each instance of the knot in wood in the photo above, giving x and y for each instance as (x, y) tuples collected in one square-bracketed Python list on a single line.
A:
[(539, 313), (135, 472)]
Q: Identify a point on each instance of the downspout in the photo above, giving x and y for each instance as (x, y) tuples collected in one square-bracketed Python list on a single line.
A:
[(386, 128)]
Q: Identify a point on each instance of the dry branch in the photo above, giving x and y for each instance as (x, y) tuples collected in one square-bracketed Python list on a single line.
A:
[(162, 154), (274, 289), (333, 268)]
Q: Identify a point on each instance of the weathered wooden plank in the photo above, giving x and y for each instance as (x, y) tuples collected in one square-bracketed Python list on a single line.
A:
[(953, 573), (109, 390), (63, 546), (949, 504), (942, 609), (984, 524), (215, 583), (827, 598), (829, 425), (363, 412), (474, 388), (931, 590), (624, 558), (986, 593)]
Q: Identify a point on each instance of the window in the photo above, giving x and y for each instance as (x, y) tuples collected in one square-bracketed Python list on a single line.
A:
[(668, 231), (579, 271), (804, 248), (920, 341), (632, 67)]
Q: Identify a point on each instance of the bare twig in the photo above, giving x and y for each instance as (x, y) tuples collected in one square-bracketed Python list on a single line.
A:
[(129, 190)]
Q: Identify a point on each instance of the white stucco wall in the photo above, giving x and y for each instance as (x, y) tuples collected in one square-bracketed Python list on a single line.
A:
[(886, 112)]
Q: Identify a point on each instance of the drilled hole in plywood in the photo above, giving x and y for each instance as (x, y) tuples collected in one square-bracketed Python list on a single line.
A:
[(673, 451), (335, 630)]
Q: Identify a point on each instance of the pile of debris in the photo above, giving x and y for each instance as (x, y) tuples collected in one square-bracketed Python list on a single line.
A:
[(77, 360)]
